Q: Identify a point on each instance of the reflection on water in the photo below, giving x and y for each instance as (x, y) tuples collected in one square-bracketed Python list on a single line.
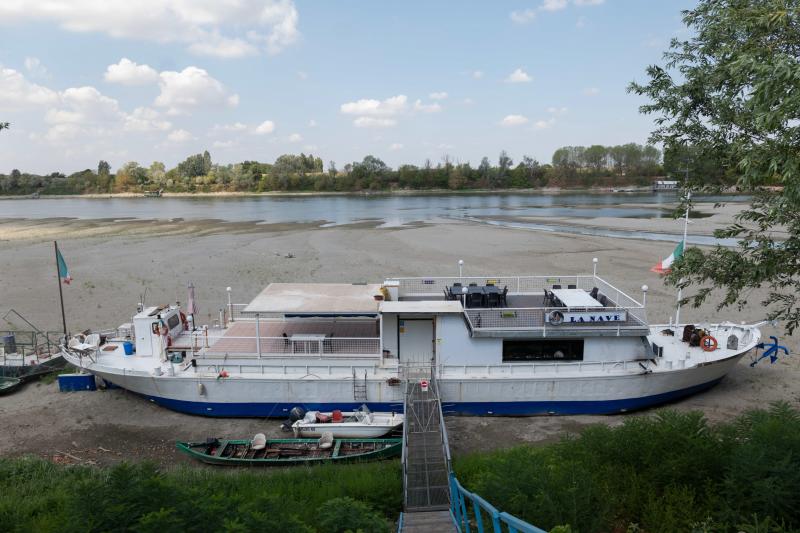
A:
[(384, 210)]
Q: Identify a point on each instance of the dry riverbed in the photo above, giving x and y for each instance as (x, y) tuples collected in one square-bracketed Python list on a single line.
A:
[(113, 263)]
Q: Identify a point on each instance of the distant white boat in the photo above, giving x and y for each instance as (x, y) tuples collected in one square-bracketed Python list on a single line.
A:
[(361, 424)]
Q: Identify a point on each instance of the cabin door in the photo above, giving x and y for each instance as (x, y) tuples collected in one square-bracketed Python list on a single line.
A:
[(415, 341)]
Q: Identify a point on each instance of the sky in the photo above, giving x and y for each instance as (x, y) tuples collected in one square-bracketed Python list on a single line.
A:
[(157, 80)]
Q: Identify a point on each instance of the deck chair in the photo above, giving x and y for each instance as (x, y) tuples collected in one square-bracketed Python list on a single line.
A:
[(594, 292), (572, 286), (447, 295), (556, 287), (504, 297)]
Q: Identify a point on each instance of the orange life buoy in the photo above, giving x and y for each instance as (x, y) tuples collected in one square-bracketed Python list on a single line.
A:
[(708, 343)]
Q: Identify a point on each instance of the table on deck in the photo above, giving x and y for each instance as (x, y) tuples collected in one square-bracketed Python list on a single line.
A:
[(576, 298), (310, 342)]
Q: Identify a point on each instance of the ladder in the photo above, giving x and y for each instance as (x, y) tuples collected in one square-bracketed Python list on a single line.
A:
[(359, 388)]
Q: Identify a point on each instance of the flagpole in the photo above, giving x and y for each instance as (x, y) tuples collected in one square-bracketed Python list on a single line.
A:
[(685, 232), (60, 293)]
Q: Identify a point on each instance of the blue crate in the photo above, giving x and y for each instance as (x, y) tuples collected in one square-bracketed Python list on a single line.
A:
[(76, 382)]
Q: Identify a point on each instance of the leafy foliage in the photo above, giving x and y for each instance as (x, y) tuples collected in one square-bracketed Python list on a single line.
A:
[(732, 93), (665, 472), (39, 496)]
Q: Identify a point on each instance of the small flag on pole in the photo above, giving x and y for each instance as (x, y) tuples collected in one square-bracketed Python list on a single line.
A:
[(63, 271), (664, 267)]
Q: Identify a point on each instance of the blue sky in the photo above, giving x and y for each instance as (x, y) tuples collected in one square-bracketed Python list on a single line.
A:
[(83, 80)]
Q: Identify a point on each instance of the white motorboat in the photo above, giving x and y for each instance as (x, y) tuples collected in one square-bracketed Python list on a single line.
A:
[(361, 424)]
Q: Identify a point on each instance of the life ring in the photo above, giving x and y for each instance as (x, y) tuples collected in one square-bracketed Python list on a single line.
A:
[(708, 343), (556, 318), (184, 320)]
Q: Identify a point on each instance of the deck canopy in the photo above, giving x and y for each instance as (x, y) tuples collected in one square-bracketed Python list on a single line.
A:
[(422, 307), (328, 299)]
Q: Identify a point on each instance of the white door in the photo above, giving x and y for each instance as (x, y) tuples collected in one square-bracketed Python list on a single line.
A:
[(416, 341)]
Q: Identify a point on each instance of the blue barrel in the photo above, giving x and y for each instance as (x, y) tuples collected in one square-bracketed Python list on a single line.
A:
[(128, 347)]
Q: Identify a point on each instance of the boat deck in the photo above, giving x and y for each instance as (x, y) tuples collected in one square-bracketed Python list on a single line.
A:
[(305, 337)]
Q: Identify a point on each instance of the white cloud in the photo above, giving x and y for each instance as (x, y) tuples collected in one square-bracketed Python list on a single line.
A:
[(522, 17), (17, 92), (223, 29), (373, 122), (84, 112), (519, 76), (302, 75), (395, 146), (557, 110), (127, 72), (553, 5), (146, 119), (35, 67), (589, 2), (236, 126), (438, 96), (179, 136), (427, 108), (477, 74), (581, 22), (310, 147), (223, 144), (514, 120), (192, 87), (365, 106), (295, 138), (591, 91), (544, 124), (312, 123), (265, 128), (467, 101)]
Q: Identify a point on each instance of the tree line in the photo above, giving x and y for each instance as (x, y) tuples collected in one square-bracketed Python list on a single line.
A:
[(571, 166)]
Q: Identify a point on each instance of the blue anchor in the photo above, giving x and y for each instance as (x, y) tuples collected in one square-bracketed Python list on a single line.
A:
[(772, 351)]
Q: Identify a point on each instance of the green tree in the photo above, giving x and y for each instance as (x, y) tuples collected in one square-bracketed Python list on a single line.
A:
[(4, 125), (733, 90)]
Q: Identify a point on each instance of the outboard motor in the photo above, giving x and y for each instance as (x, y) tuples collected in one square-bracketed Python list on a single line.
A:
[(297, 413)]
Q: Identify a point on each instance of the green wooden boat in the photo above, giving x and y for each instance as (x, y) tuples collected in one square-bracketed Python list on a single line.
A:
[(285, 452), (9, 385)]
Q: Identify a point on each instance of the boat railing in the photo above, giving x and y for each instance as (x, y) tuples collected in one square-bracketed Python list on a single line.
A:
[(611, 319), (304, 371), (525, 369), (203, 343)]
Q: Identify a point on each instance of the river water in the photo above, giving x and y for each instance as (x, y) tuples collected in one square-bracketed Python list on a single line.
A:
[(386, 210)]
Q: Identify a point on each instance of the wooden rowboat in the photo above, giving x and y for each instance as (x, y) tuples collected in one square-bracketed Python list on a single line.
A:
[(9, 385), (285, 452)]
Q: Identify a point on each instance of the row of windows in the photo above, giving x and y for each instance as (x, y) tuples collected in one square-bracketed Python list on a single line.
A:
[(543, 350)]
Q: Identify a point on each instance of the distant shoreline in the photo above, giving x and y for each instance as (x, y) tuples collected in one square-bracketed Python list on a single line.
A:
[(403, 192)]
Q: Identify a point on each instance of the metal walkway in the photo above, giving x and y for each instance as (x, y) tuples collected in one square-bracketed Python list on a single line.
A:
[(426, 457)]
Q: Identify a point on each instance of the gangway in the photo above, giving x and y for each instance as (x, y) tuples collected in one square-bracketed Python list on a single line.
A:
[(433, 499)]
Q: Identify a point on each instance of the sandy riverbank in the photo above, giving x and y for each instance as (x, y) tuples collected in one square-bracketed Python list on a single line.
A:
[(111, 268)]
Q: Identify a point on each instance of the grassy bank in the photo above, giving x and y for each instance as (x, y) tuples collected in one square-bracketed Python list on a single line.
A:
[(660, 473)]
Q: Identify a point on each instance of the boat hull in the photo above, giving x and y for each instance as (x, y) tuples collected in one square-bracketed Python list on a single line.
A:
[(551, 395)]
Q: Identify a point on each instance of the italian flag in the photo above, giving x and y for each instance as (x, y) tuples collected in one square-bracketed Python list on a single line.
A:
[(664, 266)]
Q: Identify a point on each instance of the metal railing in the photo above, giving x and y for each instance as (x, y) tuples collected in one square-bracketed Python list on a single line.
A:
[(522, 369), (515, 284), (201, 343), (525, 318), (500, 522)]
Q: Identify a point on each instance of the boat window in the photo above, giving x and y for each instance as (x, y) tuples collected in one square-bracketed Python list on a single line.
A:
[(173, 321), (543, 350)]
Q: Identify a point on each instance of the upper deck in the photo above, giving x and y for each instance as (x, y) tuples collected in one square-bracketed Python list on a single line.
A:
[(563, 306)]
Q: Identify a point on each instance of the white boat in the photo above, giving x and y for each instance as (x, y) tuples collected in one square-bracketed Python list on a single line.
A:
[(508, 345), (361, 424)]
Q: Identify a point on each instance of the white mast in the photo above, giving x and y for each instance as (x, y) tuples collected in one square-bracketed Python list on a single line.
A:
[(685, 231)]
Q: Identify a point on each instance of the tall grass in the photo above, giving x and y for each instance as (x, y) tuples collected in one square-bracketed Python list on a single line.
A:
[(39, 496), (660, 473)]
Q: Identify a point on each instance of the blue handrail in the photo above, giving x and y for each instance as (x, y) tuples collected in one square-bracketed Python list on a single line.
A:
[(501, 522)]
